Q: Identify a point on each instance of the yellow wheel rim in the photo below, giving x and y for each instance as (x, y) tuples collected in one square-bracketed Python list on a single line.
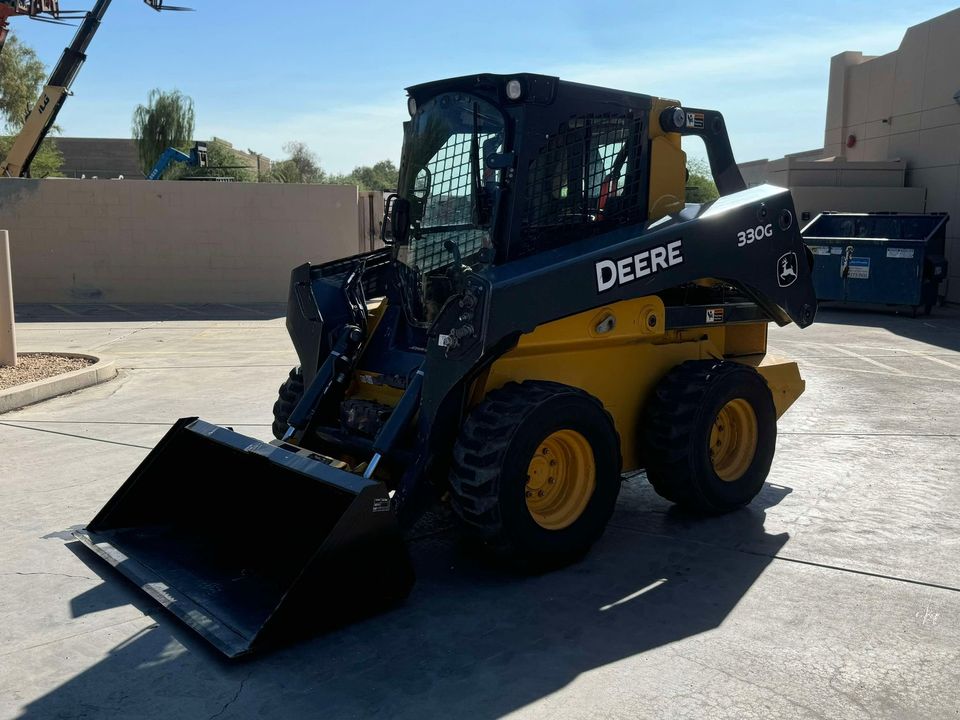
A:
[(561, 478), (733, 440)]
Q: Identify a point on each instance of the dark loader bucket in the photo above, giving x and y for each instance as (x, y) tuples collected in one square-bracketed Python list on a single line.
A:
[(250, 543)]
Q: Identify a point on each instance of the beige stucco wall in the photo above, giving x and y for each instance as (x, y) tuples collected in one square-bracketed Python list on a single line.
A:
[(120, 241), (901, 105)]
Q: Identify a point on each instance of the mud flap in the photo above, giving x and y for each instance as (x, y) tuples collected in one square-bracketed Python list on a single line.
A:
[(251, 543)]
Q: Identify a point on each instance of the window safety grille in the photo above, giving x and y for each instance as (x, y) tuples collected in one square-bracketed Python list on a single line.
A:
[(585, 180), (448, 212)]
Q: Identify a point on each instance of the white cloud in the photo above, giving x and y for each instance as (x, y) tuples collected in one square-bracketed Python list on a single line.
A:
[(772, 89)]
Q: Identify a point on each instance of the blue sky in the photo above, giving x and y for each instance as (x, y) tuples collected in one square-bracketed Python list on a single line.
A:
[(332, 73)]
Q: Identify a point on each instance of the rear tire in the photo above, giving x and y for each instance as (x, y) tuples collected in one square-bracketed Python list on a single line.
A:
[(709, 435), (536, 473), (289, 395)]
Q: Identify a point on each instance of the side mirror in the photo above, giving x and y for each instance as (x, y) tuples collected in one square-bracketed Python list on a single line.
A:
[(386, 225), (400, 220)]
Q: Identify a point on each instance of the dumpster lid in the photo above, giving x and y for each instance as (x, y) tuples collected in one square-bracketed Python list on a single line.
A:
[(919, 227)]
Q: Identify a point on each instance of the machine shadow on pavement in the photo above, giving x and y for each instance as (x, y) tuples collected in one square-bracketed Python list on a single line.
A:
[(941, 329), (146, 312), (471, 639)]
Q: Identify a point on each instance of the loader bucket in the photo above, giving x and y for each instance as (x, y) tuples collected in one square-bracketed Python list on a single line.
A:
[(247, 542)]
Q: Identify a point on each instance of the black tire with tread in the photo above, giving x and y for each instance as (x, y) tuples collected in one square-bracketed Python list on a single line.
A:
[(676, 431), (488, 473), (288, 396)]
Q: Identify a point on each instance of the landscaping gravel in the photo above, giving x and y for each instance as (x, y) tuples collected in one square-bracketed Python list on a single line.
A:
[(38, 366)]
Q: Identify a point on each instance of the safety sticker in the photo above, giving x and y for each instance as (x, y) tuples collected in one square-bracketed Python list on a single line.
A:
[(695, 120), (836, 250), (381, 504), (820, 249), (715, 315), (859, 268), (899, 252)]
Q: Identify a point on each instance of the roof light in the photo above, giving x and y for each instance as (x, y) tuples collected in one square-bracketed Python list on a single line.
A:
[(514, 89), (412, 106)]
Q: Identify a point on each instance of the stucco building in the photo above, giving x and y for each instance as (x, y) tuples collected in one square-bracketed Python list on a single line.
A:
[(892, 135)]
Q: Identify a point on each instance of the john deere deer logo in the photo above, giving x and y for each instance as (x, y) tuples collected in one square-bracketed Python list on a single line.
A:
[(787, 269)]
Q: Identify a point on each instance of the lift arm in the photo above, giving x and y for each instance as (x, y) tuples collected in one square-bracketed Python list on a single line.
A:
[(44, 113), (708, 125)]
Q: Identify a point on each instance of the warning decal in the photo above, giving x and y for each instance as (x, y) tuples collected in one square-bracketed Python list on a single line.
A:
[(899, 252), (695, 120), (715, 315)]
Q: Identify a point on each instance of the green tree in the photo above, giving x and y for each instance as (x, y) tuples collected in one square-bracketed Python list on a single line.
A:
[(165, 121), (700, 185), (21, 77), (381, 176), (302, 165)]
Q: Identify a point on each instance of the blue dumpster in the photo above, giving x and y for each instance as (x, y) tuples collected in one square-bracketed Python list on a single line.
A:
[(878, 258)]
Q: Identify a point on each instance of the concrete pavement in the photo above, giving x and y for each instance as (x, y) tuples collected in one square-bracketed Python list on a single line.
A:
[(836, 594)]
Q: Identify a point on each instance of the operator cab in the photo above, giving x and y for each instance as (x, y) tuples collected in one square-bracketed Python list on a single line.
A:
[(495, 168)]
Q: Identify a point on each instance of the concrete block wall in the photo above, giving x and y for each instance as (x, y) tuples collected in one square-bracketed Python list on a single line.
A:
[(170, 242)]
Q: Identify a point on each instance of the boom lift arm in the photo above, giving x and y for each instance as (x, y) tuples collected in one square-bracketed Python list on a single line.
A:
[(196, 158), (44, 114)]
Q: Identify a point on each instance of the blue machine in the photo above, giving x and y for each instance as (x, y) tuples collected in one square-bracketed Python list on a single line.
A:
[(196, 158), (878, 258)]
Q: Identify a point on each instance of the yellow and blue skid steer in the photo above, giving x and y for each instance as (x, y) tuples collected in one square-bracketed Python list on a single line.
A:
[(547, 313)]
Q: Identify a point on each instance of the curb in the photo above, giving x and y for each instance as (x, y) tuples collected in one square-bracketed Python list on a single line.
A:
[(101, 370)]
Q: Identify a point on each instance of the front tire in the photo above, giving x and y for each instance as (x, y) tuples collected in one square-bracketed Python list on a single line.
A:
[(709, 435), (536, 473), (288, 396)]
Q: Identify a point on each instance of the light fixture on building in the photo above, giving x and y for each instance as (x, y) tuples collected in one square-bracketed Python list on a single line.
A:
[(956, 97)]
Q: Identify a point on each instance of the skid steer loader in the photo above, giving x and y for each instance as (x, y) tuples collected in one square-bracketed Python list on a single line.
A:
[(547, 314)]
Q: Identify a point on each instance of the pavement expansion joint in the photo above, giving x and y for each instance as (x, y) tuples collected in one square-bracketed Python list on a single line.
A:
[(73, 435), (784, 558)]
